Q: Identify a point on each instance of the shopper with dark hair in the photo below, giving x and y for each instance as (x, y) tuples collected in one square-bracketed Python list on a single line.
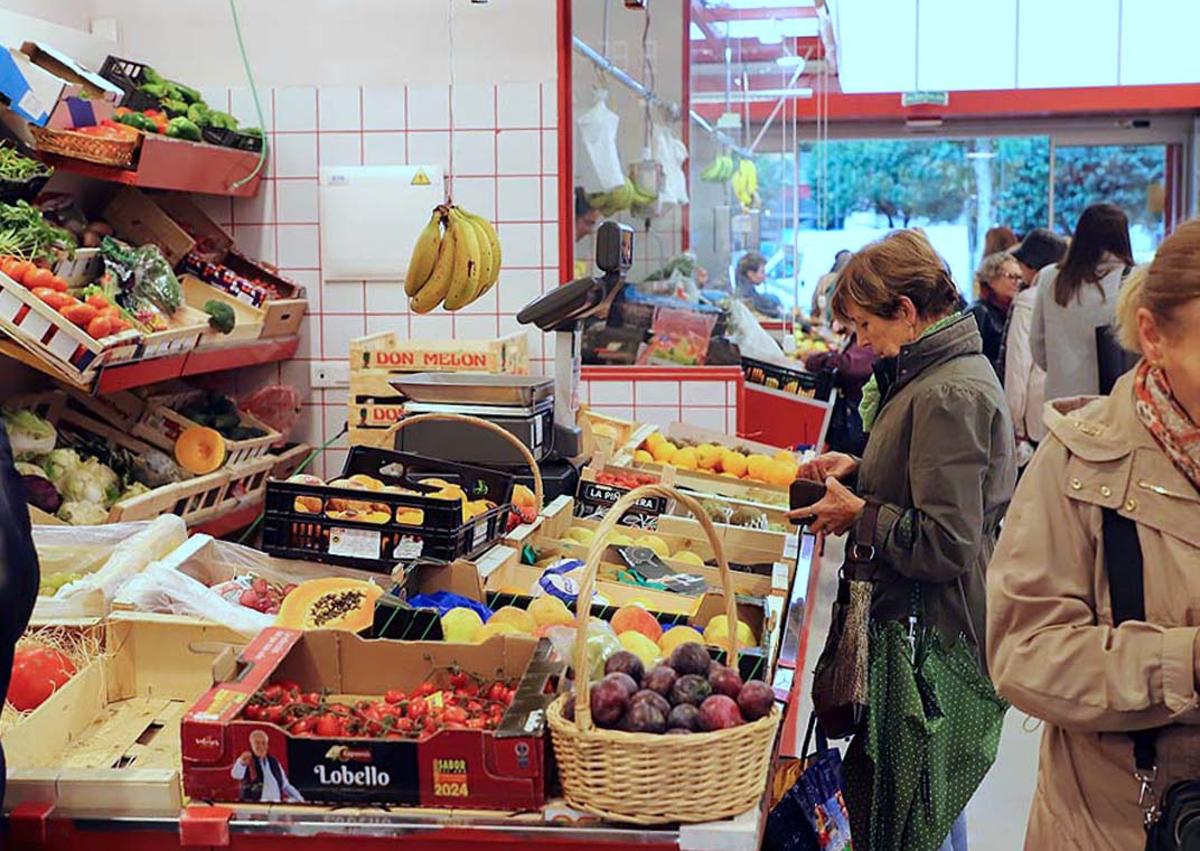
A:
[(938, 470), (19, 574), (1100, 644), (998, 280), (999, 239), (1075, 298), (749, 276), (821, 310), (1040, 248)]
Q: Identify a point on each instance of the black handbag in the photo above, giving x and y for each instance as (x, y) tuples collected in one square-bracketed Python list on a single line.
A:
[(1112, 359), (1173, 822)]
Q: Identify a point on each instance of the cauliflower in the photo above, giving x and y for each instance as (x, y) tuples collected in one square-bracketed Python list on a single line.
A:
[(83, 514), (91, 482), (58, 463)]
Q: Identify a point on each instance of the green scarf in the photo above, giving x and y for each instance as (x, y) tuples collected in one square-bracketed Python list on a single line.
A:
[(868, 408)]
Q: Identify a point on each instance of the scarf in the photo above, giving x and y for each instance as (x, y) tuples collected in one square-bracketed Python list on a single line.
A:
[(872, 398), (1166, 419)]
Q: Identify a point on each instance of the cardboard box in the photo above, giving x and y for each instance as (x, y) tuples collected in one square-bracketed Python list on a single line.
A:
[(107, 743), (502, 769), (40, 83), (136, 218)]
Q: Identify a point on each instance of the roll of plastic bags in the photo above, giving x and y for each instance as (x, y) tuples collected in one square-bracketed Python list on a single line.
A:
[(80, 549), (164, 590), (599, 160), (130, 557)]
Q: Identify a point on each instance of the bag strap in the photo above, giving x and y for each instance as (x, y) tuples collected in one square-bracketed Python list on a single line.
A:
[(1127, 596), (822, 741)]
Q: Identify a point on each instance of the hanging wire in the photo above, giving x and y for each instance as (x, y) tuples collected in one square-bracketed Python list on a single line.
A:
[(262, 123), (449, 178)]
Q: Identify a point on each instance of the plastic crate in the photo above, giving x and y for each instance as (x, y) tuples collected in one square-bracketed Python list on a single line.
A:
[(441, 533), (779, 377), (232, 139), (128, 75)]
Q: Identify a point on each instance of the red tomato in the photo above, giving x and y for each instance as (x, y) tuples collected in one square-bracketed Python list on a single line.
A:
[(394, 696), (418, 708), (273, 692), (16, 269), (496, 692), (459, 679), (253, 712), (78, 313), (99, 328), (476, 724), (301, 727), (59, 284), (455, 715), (289, 686), (37, 672), (327, 725), (311, 699), (35, 278), (431, 724), (424, 690), (98, 301), (273, 714), (404, 725)]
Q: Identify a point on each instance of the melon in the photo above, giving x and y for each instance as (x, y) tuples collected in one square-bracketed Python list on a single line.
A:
[(330, 603)]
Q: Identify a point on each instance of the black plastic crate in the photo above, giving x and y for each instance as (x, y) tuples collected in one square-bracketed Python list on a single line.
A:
[(795, 381), (232, 139), (442, 534), (128, 75)]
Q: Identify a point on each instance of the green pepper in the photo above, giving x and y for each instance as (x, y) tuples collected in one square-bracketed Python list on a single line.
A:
[(220, 316), (151, 76), (223, 120), (199, 115), (181, 128), (174, 107), (138, 121), (157, 90), (252, 131), (187, 93)]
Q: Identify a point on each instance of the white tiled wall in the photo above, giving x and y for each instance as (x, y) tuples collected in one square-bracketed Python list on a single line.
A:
[(706, 399)]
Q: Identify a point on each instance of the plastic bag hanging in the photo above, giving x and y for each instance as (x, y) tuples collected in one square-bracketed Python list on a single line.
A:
[(671, 154), (599, 159)]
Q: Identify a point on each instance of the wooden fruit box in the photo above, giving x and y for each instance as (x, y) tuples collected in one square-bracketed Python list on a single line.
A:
[(288, 460), (608, 434), (373, 401), (385, 350), (107, 743), (162, 425), (248, 320), (248, 480), (381, 438), (45, 332), (187, 328), (189, 499)]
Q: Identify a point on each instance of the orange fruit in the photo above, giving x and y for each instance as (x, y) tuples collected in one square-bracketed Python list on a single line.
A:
[(734, 463), (637, 619), (641, 456), (686, 459), (756, 467), (708, 456), (664, 453)]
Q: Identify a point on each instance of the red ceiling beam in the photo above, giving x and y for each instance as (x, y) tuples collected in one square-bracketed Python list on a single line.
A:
[(1006, 103)]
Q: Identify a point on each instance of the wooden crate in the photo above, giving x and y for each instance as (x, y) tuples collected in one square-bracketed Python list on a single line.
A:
[(187, 328), (248, 320), (248, 480), (107, 743), (289, 459), (385, 350), (162, 424), (380, 437)]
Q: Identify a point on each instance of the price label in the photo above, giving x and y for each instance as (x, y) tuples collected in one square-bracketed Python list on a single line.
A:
[(450, 778), (409, 548), (354, 543)]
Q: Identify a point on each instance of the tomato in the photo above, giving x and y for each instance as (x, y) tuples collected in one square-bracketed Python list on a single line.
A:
[(455, 715), (289, 686), (59, 284), (35, 278), (37, 672), (471, 689), (98, 301), (474, 707), (99, 328), (431, 725), (476, 724), (53, 297), (459, 679), (15, 269), (404, 725), (311, 699), (78, 313), (496, 692), (253, 712), (394, 696), (273, 692), (301, 727), (273, 714), (418, 708), (328, 725), (424, 690), (119, 324)]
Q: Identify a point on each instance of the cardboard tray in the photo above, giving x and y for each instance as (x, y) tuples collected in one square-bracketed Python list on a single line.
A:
[(107, 743), (503, 769), (249, 322)]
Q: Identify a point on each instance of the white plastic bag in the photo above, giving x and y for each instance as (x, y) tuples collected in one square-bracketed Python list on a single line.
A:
[(599, 161), (130, 557), (753, 342), (671, 155), (159, 588)]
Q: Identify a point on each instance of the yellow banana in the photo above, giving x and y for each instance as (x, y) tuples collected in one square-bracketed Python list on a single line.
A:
[(464, 283), (489, 234), (424, 254), (434, 290), (486, 261)]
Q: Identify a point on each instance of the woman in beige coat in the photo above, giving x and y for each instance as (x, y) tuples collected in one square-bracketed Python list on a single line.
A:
[(1053, 650)]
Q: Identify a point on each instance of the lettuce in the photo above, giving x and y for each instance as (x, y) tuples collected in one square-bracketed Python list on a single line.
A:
[(29, 434)]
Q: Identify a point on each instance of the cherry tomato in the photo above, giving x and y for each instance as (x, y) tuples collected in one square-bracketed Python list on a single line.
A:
[(301, 727), (394, 696), (273, 692), (471, 689), (496, 692), (404, 725), (431, 725), (459, 679), (424, 690), (289, 686), (328, 725), (474, 707), (418, 708), (273, 714), (35, 278), (455, 715), (311, 699), (476, 724), (253, 712), (59, 284)]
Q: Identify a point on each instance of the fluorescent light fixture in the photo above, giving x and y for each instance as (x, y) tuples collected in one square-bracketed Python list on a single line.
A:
[(695, 33), (790, 61), (768, 31), (754, 95)]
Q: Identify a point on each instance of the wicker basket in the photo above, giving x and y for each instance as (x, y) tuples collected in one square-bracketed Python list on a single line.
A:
[(81, 146), (646, 778)]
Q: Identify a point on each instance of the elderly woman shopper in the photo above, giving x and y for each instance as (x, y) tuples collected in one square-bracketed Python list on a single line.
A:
[(1093, 624), (999, 280), (938, 470)]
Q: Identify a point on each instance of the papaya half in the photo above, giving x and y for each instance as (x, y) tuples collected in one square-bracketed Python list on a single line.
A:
[(330, 603), (200, 450)]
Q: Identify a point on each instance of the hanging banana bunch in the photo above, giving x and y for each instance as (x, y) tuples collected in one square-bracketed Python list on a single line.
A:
[(745, 183), (719, 170), (456, 260)]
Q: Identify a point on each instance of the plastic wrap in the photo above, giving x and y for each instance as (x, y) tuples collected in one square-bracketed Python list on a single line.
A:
[(128, 558), (160, 588), (602, 642), (752, 341), (80, 549)]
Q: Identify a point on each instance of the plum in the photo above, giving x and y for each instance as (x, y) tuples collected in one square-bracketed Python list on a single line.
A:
[(653, 698), (720, 712), (609, 699), (690, 658), (624, 662), (678, 731), (684, 717), (627, 682), (690, 688), (755, 700), (725, 681), (568, 710), (660, 679), (646, 717)]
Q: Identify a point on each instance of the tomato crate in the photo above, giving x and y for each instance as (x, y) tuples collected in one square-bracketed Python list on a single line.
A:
[(347, 524), (162, 424)]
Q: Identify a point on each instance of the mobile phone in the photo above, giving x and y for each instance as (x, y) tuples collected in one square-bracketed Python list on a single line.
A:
[(802, 493)]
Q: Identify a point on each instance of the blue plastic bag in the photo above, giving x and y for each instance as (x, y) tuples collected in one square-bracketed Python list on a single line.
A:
[(444, 601)]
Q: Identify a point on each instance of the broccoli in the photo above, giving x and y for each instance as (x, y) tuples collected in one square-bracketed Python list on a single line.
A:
[(220, 316)]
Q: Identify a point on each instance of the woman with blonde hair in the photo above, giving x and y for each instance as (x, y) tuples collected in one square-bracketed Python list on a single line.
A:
[(1092, 618)]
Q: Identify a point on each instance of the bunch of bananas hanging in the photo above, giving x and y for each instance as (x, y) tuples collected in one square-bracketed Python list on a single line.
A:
[(745, 183), (455, 266), (719, 170), (624, 197)]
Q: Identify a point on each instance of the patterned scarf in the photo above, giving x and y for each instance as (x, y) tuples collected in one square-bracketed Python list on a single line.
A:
[(872, 399), (1166, 419)]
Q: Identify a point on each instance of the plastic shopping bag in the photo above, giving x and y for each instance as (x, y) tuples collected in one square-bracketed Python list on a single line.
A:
[(671, 155), (599, 161)]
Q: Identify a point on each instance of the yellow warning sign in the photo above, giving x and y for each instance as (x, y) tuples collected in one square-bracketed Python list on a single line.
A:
[(420, 178)]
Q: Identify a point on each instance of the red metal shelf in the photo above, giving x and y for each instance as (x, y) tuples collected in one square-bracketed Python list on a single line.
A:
[(166, 163), (226, 524), (196, 362)]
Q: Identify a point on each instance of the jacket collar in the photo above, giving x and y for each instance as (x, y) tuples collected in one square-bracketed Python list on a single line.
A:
[(960, 337)]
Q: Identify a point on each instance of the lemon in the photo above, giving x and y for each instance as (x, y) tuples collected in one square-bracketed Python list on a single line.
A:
[(689, 557), (461, 625), (519, 618), (489, 629), (675, 636), (718, 629), (641, 646), (641, 456), (550, 611), (655, 543), (581, 535)]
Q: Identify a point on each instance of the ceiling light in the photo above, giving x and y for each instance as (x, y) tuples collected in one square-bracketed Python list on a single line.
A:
[(981, 155)]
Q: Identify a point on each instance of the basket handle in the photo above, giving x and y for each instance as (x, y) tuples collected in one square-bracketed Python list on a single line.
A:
[(539, 492), (583, 604)]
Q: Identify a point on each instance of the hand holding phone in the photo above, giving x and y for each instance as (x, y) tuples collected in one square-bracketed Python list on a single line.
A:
[(803, 493)]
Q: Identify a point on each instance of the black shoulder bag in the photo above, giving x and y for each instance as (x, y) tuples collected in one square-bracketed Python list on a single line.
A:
[(1112, 360), (1173, 823)]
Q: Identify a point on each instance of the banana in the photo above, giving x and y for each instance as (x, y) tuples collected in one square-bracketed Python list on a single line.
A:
[(486, 260), (424, 253), (712, 174), (464, 282), (493, 240), (434, 290)]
